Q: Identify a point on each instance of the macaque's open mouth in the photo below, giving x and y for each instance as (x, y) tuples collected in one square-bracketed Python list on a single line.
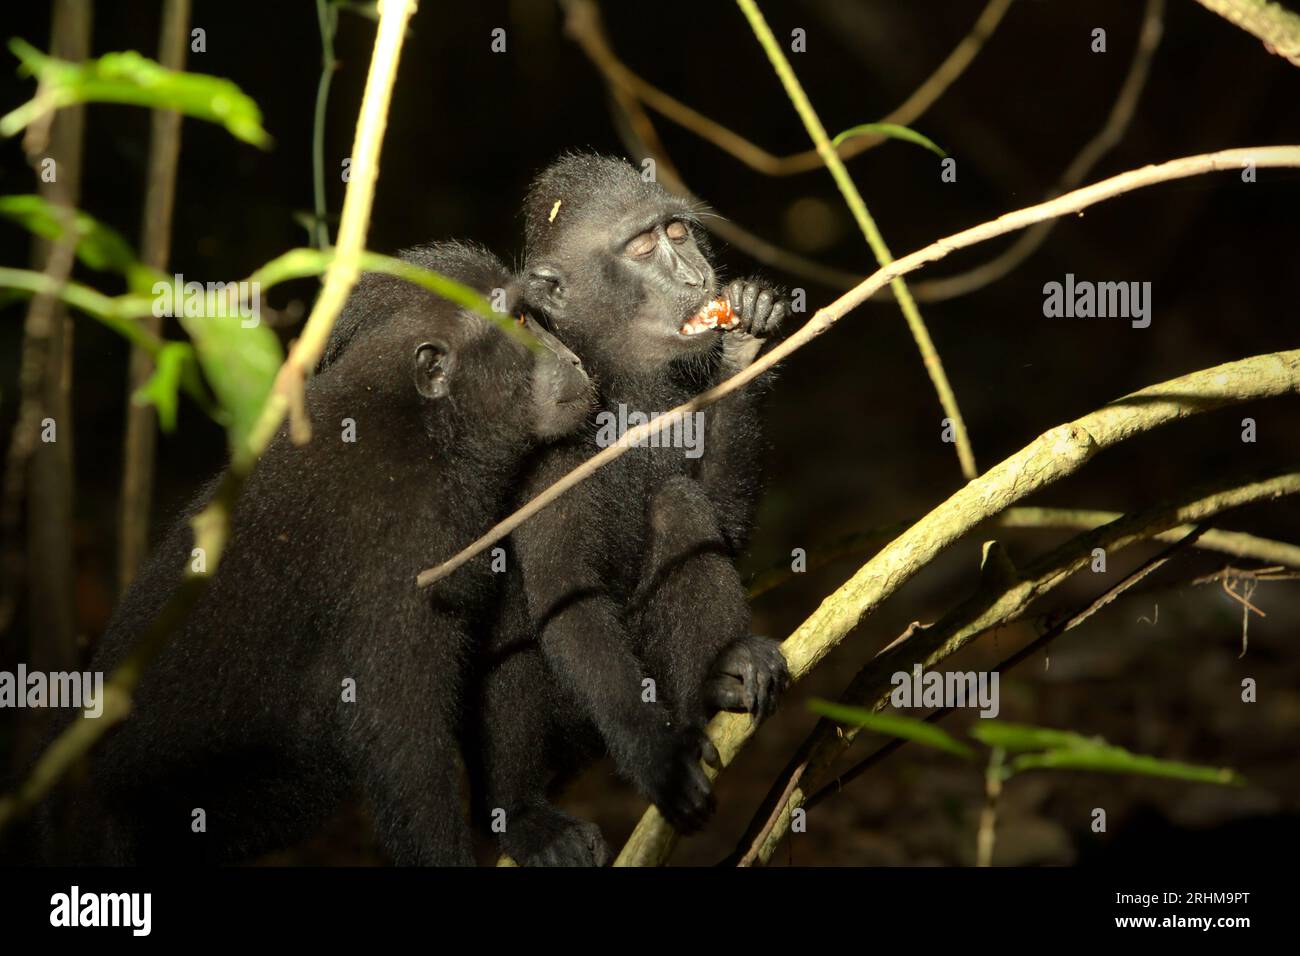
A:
[(716, 315)]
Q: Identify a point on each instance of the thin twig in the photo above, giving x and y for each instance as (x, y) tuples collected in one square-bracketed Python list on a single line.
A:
[(1248, 587), (1250, 577), (1272, 573), (920, 333), (286, 395), (1236, 543)]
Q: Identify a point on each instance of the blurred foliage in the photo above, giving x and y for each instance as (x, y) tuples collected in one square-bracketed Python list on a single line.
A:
[(135, 80), (1040, 748)]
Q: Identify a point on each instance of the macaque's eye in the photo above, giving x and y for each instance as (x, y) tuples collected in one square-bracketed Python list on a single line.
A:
[(677, 231), (641, 245)]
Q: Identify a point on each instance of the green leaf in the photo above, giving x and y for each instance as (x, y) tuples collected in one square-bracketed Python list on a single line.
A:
[(1065, 750), (1103, 758), (1019, 737), (892, 131), (136, 80), (892, 725), (163, 388), (98, 246), (301, 263), (239, 362)]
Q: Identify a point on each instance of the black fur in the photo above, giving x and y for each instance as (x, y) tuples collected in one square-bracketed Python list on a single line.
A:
[(630, 575), (243, 714)]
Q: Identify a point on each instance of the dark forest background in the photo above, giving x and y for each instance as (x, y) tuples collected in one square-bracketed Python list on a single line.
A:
[(854, 423)]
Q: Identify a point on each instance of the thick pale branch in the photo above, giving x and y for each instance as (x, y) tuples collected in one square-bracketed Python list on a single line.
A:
[(823, 319)]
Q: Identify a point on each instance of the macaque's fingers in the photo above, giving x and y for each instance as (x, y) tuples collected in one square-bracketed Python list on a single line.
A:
[(725, 692)]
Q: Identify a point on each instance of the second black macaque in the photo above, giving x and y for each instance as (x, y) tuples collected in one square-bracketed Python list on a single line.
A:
[(312, 667), (625, 626)]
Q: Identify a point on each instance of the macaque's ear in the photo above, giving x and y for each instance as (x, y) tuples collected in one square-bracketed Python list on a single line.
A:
[(433, 366), (545, 289)]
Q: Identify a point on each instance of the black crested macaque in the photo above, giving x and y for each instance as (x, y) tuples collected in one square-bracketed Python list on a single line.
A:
[(625, 625), (313, 668)]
